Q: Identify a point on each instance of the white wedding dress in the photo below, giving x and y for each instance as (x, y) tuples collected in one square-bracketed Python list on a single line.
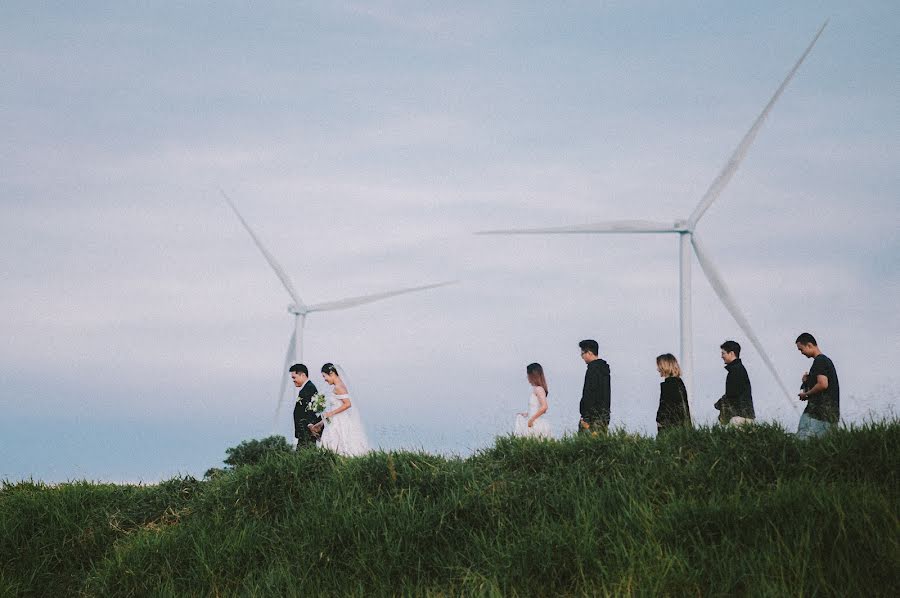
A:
[(344, 434), (540, 428)]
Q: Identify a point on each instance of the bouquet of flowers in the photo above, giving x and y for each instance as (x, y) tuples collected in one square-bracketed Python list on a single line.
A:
[(316, 403)]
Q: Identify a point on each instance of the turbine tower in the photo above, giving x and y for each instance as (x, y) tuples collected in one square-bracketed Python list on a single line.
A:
[(300, 310), (688, 239)]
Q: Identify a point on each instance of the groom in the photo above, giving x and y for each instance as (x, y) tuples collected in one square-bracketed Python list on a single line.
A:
[(302, 416)]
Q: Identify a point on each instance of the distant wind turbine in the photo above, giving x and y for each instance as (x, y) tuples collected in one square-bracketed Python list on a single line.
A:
[(300, 310), (685, 229)]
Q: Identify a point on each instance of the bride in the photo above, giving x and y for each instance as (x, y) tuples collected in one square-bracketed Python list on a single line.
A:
[(343, 431), (533, 423)]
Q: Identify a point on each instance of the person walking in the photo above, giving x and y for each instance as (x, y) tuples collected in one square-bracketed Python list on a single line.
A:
[(533, 423), (736, 405), (673, 410), (595, 396), (303, 417), (820, 389)]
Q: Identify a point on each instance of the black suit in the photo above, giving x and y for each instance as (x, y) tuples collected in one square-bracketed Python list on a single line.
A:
[(302, 416)]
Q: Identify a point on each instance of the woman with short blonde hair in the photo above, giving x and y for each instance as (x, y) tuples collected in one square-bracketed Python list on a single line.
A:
[(668, 365), (673, 411)]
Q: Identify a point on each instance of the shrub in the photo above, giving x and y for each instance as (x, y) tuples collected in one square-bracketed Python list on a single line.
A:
[(251, 452)]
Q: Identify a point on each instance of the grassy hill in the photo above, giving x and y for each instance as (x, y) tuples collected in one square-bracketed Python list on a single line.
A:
[(697, 512)]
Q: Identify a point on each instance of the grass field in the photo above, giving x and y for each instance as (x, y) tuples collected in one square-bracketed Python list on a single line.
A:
[(697, 512)]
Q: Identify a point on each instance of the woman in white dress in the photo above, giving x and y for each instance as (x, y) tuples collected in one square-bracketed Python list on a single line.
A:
[(533, 423), (343, 431)]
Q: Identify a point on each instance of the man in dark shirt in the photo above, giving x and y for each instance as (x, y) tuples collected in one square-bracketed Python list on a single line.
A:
[(820, 389), (303, 418), (736, 405), (594, 405)]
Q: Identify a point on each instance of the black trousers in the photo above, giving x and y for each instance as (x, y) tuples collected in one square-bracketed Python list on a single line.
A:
[(305, 439)]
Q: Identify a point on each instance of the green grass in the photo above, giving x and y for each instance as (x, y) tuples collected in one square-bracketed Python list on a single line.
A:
[(706, 512)]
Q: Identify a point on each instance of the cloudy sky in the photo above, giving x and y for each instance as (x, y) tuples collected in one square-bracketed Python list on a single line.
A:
[(365, 142)]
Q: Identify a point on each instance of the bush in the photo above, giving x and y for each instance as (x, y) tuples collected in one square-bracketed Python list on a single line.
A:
[(251, 452)]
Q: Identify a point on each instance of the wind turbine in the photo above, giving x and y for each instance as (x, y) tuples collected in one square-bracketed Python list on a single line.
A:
[(687, 237), (300, 310)]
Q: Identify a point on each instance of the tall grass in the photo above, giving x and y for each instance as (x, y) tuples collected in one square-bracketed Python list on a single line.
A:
[(705, 512)]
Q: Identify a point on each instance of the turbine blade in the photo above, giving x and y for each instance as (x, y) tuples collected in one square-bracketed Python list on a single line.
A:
[(718, 285), (617, 226), (279, 271), (362, 300), (719, 183), (288, 362)]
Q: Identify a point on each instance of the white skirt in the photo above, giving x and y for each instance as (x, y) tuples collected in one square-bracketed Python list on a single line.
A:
[(539, 429), (345, 434)]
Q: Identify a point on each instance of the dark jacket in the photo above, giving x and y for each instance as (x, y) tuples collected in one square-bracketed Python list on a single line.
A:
[(302, 416), (673, 409), (594, 404), (738, 397)]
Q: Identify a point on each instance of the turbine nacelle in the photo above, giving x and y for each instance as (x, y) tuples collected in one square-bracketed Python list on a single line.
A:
[(296, 310)]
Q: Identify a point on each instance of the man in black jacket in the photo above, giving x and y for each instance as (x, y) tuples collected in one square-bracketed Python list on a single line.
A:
[(594, 406), (736, 405), (303, 418)]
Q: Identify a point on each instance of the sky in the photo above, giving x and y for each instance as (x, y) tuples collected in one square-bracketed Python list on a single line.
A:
[(365, 143)]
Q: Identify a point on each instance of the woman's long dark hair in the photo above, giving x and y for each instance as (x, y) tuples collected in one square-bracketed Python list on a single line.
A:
[(329, 368), (536, 376)]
